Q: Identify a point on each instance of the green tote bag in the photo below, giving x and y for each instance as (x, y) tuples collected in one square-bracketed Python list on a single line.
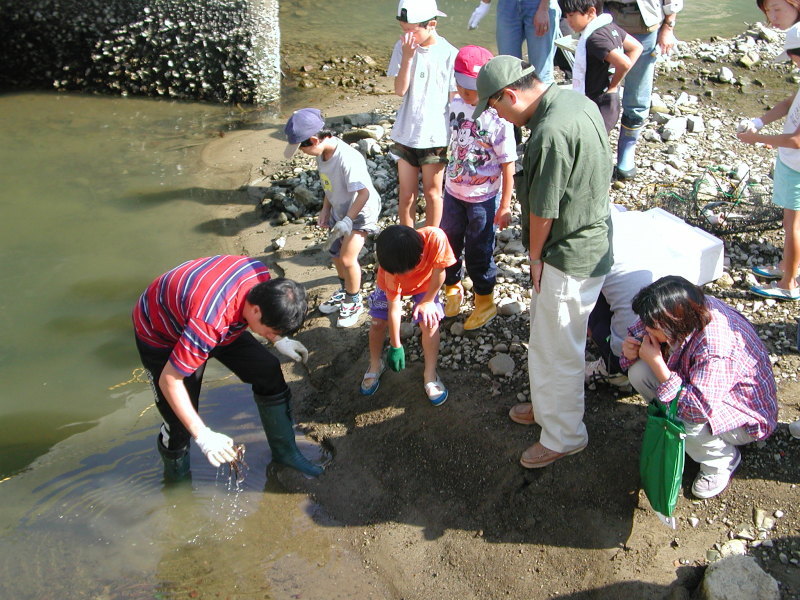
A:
[(661, 460)]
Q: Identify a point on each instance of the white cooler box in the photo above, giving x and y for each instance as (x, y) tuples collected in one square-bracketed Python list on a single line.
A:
[(681, 250)]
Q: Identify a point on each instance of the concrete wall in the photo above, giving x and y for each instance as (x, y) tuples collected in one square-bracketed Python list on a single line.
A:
[(216, 50)]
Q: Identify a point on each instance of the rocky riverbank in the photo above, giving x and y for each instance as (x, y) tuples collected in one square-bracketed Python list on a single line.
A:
[(434, 499)]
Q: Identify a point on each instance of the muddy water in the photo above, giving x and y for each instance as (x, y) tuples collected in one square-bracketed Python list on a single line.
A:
[(100, 195), (341, 29)]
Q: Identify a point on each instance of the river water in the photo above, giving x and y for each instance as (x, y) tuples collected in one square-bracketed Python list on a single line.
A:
[(99, 196)]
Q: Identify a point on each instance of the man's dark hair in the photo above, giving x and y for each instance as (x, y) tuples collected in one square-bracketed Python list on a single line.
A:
[(525, 82), (580, 6), (282, 303), (399, 249), (674, 305)]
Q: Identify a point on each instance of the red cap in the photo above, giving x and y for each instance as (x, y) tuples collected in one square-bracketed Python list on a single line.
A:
[(469, 61)]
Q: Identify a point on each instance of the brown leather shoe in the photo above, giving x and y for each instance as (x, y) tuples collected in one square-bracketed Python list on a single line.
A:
[(522, 413), (537, 456)]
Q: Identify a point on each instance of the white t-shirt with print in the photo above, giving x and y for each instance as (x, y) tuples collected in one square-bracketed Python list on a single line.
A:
[(477, 149), (342, 176), (422, 116)]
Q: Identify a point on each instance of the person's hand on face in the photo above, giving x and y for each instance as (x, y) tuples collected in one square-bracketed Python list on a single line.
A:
[(650, 350), (630, 347), (410, 44)]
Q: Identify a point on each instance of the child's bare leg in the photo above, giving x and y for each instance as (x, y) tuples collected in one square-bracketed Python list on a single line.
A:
[(408, 184), (432, 178), (430, 351), (791, 248), (377, 336), (337, 262), (347, 265)]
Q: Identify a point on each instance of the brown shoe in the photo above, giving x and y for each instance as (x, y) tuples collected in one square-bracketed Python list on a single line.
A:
[(537, 456), (522, 413)]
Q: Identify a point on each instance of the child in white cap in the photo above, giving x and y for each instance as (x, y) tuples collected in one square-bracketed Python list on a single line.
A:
[(422, 65)]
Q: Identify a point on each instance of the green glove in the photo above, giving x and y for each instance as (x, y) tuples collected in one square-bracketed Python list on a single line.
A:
[(396, 357)]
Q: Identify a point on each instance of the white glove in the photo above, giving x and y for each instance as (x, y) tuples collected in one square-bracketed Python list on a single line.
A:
[(341, 228), (753, 125), (292, 349), (478, 14), (217, 447)]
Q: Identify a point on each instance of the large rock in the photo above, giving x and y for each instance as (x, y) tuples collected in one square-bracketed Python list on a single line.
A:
[(674, 129), (501, 364), (738, 578)]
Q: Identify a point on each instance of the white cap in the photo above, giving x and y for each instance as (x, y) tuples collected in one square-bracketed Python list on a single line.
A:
[(792, 42), (418, 11)]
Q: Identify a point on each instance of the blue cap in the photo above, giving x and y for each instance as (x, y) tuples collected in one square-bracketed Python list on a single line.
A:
[(302, 125)]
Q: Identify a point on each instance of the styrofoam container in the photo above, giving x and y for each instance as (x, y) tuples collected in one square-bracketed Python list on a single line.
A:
[(695, 254), (664, 244)]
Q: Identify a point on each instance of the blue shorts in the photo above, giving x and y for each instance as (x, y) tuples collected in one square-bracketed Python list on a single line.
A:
[(786, 189), (379, 305)]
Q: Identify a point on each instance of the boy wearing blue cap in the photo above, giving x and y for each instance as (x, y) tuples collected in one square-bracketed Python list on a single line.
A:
[(350, 209)]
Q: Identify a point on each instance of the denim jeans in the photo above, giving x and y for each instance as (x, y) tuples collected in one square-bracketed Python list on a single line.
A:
[(515, 25), (638, 83), (470, 228)]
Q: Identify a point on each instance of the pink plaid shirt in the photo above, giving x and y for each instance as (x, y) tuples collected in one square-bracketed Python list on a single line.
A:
[(726, 374)]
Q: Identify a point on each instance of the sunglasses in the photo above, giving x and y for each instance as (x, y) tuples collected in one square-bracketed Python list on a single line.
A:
[(306, 143)]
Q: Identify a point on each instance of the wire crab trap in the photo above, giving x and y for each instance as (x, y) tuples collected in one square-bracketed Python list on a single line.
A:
[(721, 206)]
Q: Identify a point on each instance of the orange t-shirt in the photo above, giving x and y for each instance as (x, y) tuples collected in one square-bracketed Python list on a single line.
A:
[(436, 254)]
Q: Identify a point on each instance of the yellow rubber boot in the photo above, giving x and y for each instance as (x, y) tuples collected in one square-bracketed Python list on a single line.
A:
[(453, 297), (485, 311)]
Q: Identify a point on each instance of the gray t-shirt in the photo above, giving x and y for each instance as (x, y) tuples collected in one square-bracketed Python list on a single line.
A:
[(344, 174), (422, 116)]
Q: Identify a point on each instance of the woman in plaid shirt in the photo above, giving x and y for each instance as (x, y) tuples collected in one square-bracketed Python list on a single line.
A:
[(702, 350)]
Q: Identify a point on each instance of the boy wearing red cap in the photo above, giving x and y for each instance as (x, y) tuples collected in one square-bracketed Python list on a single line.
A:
[(479, 173)]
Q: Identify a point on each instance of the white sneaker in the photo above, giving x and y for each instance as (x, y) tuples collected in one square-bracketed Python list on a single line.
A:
[(794, 429), (349, 313), (332, 304), (708, 485), (596, 371)]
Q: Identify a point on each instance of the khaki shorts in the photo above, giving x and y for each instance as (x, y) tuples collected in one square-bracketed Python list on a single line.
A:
[(417, 157)]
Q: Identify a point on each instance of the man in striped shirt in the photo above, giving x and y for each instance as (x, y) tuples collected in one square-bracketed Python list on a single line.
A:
[(202, 309)]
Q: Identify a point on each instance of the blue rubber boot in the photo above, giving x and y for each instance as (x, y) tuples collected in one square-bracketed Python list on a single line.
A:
[(176, 462), (626, 152), (276, 417)]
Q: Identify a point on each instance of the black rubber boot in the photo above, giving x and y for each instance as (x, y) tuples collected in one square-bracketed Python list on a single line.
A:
[(276, 417), (176, 462)]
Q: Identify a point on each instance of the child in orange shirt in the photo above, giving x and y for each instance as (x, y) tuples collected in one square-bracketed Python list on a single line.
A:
[(410, 263)]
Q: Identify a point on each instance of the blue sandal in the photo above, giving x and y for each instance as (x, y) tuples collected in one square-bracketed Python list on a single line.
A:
[(768, 272), (368, 390), (775, 292), (436, 392)]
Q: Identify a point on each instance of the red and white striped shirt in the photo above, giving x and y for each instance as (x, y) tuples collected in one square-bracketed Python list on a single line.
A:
[(196, 307)]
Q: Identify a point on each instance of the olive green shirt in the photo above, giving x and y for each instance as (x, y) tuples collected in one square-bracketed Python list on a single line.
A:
[(566, 175)]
